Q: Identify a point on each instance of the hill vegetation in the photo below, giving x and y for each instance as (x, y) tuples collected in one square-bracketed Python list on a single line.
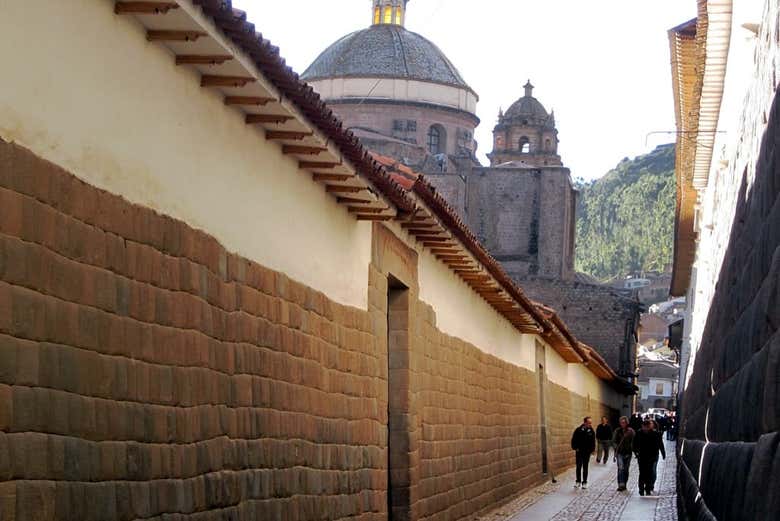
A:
[(625, 220)]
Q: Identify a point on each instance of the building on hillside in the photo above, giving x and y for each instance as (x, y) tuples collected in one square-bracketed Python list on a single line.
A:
[(657, 385), (726, 67), (214, 302), (405, 99)]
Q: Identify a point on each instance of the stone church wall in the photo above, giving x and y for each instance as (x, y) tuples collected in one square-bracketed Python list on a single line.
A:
[(602, 317), (146, 371), (730, 464)]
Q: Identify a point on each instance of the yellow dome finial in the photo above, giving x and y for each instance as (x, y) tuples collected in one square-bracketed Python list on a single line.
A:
[(389, 12)]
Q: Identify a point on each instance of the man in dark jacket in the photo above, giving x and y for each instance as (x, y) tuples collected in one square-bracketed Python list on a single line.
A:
[(604, 437), (623, 440), (647, 444), (583, 442)]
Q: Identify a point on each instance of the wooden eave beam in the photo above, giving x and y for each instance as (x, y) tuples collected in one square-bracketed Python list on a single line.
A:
[(421, 225), (363, 209), (202, 59), (174, 36), (215, 80), (311, 165), (371, 217), (320, 177), (144, 7), (251, 101), (303, 150), (353, 200), (337, 189), (252, 119), (282, 135)]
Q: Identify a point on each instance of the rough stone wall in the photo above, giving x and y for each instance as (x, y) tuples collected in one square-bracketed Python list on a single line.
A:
[(525, 219), (730, 462), (146, 372), (602, 317), (504, 207), (566, 411), (480, 426)]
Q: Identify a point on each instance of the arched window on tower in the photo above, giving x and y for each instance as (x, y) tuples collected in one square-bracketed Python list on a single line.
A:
[(436, 140), (377, 15), (548, 145), (398, 15), (524, 145), (388, 15)]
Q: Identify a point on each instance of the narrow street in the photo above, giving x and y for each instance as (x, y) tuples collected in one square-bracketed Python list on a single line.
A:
[(601, 502)]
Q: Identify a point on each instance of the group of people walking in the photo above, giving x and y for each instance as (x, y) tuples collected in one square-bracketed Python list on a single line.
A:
[(646, 443)]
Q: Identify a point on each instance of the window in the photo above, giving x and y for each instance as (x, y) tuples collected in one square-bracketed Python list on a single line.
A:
[(659, 389), (435, 139), (388, 16), (524, 145), (411, 125), (548, 145), (398, 124), (398, 15), (377, 15)]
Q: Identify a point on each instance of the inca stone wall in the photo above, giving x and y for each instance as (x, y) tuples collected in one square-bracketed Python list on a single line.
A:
[(146, 372), (730, 462)]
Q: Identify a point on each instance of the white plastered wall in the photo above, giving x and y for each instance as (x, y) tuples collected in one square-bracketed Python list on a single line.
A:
[(462, 313), (93, 96)]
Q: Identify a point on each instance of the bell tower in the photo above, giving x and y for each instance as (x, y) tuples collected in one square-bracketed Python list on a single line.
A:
[(389, 12)]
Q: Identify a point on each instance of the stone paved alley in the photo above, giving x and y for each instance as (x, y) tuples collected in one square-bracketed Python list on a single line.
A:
[(602, 502)]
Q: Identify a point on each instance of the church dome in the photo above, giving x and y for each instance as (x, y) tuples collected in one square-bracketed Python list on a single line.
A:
[(527, 106), (388, 51)]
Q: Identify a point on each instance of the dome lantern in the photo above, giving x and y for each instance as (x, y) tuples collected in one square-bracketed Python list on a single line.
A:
[(389, 12)]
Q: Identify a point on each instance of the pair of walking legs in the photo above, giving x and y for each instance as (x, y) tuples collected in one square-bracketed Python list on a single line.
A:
[(623, 465), (647, 475), (583, 458), (603, 451)]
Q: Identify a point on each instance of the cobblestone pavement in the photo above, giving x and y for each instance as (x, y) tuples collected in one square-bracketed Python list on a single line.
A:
[(601, 502)]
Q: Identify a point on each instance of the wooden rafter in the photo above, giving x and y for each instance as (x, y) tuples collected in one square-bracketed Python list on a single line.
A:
[(281, 135), (214, 80), (311, 165), (144, 7), (320, 177), (303, 150), (174, 36), (340, 189), (252, 119), (373, 217), (202, 59), (353, 200), (363, 209), (249, 100)]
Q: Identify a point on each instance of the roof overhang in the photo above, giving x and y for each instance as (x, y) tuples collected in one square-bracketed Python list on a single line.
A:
[(699, 51)]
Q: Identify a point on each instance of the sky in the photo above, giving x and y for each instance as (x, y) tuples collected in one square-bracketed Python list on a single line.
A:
[(603, 65)]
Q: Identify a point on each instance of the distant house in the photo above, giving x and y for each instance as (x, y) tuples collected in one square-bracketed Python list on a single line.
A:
[(657, 385)]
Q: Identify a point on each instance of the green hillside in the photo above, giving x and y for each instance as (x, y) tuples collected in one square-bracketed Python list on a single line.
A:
[(625, 220)]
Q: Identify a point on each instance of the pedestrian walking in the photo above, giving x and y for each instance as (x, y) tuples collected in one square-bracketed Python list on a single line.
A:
[(583, 443), (648, 442), (623, 440), (604, 438)]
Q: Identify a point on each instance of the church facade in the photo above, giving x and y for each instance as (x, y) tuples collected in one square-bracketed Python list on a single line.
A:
[(405, 99)]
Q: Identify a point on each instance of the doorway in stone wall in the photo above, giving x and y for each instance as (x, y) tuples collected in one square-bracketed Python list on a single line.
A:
[(398, 479), (542, 378)]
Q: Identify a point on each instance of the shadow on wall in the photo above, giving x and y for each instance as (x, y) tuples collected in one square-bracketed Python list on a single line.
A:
[(729, 464)]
